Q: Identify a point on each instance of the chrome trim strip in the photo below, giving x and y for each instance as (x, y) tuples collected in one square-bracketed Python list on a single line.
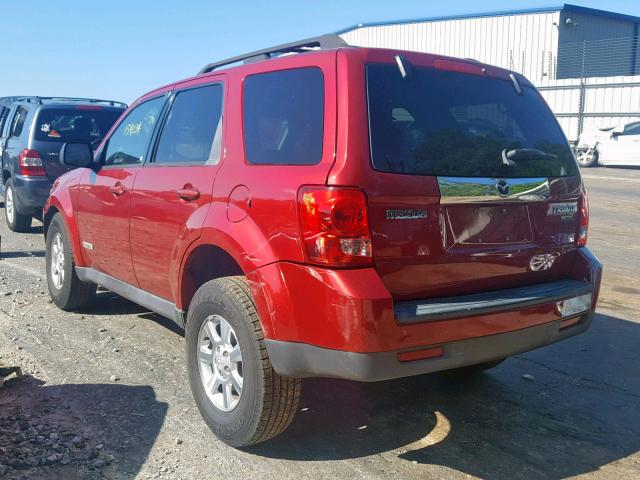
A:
[(482, 190), (416, 311)]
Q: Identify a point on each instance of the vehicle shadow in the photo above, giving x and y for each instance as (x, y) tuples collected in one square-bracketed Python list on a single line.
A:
[(580, 412), (22, 254), (109, 303), (621, 167), (77, 431)]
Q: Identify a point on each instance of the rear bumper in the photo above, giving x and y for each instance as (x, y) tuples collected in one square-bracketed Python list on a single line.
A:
[(344, 324), (31, 193), (303, 360)]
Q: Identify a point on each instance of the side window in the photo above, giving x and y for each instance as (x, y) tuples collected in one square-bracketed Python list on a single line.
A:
[(284, 117), (632, 129), (192, 133), (3, 115), (18, 121), (128, 143)]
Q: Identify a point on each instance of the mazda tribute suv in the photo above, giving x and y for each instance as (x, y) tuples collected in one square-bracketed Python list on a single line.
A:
[(322, 210)]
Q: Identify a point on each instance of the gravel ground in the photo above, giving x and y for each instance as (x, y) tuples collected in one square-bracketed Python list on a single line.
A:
[(105, 393)]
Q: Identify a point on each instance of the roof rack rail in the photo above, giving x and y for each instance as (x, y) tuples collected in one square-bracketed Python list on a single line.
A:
[(7, 100), (322, 42), (40, 100)]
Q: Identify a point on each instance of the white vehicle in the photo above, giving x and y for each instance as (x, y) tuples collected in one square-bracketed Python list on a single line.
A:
[(610, 146)]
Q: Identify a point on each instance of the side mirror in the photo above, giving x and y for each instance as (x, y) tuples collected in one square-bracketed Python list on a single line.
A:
[(617, 131), (76, 155)]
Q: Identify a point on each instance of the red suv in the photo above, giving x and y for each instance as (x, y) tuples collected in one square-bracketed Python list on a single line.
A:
[(340, 212)]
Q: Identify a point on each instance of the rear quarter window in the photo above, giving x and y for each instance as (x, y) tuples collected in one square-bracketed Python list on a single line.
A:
[(284, 117)]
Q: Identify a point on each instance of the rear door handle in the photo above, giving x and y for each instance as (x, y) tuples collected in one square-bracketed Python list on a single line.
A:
[(188, 193), (117, 189)]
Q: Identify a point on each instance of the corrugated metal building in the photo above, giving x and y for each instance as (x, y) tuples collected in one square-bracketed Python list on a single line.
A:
[(542, 43), (586, 62)]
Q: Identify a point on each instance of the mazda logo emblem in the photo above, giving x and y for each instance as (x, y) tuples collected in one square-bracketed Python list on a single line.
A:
[(503, 187), (543, 261)]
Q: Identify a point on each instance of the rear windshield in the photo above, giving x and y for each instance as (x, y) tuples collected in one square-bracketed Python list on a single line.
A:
[(81, 124), (436, 122)]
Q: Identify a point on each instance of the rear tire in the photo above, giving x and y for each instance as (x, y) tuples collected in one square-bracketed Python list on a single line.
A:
[(15, 221), (472, 371), (67, 291), (265, 403)]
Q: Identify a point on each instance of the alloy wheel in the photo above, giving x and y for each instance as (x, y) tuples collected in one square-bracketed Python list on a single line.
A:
[(57, 261), (9, 205), (585, 156), (220, 363)]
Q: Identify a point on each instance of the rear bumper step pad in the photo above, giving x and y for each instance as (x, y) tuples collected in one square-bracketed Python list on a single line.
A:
[(489, 302)]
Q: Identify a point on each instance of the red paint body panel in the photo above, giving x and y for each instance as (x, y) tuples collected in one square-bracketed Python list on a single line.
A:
[(352, 310), (64, 201), (163, 225), (146, 236), (103, 221)]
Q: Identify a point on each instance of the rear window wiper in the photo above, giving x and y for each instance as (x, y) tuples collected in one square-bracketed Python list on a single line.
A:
[(510, 156)]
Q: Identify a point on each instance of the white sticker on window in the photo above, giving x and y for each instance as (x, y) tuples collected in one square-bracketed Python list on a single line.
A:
[(132, 129)]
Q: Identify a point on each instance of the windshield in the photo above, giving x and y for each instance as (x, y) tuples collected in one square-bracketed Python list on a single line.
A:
[(437, 122), (80, 124)]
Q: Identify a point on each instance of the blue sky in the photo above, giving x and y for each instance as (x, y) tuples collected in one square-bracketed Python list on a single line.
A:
[(121, 49)]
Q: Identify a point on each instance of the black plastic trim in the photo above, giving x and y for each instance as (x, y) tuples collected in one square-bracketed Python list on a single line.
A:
[(152, 302), (302, 360), (489, 302)]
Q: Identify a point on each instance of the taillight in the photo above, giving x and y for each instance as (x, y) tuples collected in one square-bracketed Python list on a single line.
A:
[(334, 226), (472, 68), (583, 232), (30, 163)]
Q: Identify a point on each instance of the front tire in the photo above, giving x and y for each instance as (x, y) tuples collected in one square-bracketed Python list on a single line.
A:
[(67, 291), (15, 221), (241, 398), (587, 157)]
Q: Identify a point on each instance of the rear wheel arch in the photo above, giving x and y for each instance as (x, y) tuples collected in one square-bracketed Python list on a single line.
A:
[(203, 263), (6, 175), (208, 261)]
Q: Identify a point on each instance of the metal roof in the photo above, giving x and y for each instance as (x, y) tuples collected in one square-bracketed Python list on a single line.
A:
[(501, 13), (51, 100)]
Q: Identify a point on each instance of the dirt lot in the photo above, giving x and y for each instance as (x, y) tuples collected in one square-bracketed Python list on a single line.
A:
[(106, 392)]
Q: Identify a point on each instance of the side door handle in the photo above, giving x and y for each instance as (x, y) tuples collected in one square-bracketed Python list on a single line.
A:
[(188, 193), (117, 189)]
